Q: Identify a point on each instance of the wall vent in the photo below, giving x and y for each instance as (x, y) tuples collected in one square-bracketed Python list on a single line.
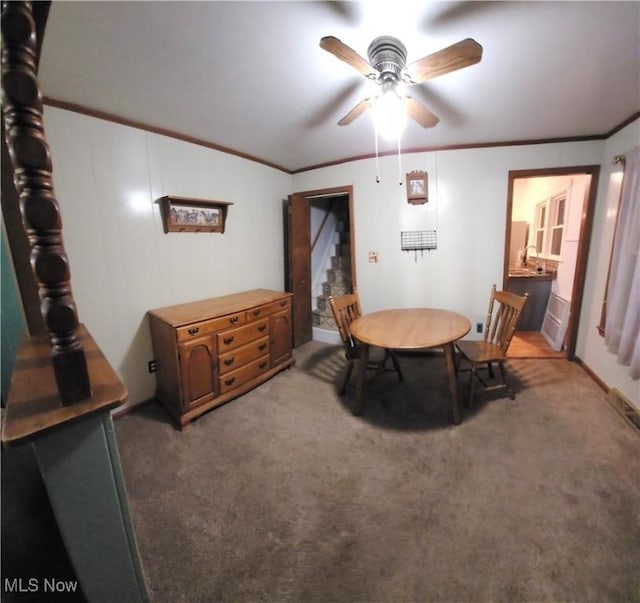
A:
[(624, 408)]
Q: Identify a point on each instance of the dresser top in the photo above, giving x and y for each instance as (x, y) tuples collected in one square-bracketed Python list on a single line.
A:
[(184, 314)]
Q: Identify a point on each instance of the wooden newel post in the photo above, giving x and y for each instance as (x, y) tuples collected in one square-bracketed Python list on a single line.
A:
[(29, 151), (50, 403)]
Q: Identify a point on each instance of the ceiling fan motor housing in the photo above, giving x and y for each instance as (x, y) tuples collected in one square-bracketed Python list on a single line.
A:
[(388, 56)]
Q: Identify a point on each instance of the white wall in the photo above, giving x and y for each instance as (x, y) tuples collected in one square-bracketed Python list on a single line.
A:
[(106, 178), (468, 193), (467, 208), (122, 264), (590, 346)]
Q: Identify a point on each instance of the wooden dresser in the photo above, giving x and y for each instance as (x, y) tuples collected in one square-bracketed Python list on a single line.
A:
[(210, 351)]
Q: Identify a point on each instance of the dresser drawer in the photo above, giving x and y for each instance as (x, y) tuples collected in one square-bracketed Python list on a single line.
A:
[(233, 338), (235, 378), (266, 309), (205, 327), (243, 354)]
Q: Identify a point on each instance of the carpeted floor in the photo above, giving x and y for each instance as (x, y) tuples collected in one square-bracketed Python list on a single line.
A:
[(284, 495)]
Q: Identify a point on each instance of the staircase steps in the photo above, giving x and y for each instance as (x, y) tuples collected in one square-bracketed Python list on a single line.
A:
[(338, 279)]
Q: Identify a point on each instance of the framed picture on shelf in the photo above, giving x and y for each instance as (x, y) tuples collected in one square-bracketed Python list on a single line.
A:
[(184, 214), (417, 187)]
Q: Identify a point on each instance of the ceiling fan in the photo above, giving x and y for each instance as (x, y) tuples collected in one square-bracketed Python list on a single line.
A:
[(387, 66)]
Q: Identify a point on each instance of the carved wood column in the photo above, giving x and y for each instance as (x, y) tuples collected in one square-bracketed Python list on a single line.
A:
[(29, 152)]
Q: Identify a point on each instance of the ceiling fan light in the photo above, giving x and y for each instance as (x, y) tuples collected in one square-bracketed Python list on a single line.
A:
[(389, 114)]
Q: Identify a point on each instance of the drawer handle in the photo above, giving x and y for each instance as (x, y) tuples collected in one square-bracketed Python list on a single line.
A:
[(263, 365), (229, 381), (229, 361), (228, 340), (262, 328), (193, 330), (283, 303), (262, 346), (233, 320), (256, 312)]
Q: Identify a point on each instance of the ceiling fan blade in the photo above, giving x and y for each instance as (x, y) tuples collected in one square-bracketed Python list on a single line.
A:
[(420, 113), (357, 111), (348, 11), (459, 11), (464, 53), (327, 110), (348, 55)]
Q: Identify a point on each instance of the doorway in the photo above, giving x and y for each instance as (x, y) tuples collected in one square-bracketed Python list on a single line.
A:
[(549, 214), (311, 218)]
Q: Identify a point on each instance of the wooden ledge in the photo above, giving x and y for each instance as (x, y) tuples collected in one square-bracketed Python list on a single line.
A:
[(33, 405)]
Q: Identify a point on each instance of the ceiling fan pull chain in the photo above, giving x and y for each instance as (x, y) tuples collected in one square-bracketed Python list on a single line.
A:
[(399, 163), (375, 128)]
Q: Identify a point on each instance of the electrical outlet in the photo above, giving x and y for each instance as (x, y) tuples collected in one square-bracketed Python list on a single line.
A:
[(153, 367), (478, 327)]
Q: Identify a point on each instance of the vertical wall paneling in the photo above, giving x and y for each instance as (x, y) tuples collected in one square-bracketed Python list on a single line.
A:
[(123, 264)]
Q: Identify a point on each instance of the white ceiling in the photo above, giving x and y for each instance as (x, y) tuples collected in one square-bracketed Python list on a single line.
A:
[(250, 76)]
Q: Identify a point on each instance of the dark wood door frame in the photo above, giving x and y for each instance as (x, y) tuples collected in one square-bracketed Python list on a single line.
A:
[(298, 259), (586, 226)]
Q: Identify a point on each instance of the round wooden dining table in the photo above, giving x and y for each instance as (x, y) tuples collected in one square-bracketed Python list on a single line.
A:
[(410, 329)]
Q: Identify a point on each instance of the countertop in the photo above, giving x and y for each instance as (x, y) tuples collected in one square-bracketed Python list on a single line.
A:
[(532, 273)]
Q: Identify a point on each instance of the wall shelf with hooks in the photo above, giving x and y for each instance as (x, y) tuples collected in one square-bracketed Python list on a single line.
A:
[(418, 240)]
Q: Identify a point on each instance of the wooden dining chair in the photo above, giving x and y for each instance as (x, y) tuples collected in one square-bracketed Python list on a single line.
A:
[(346, 308), (498, 332)]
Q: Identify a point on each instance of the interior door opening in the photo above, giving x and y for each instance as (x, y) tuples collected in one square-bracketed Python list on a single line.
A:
[(549, 218), (320, 254)]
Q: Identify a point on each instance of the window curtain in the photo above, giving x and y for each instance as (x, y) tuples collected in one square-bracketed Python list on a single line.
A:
[(622, 330)]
